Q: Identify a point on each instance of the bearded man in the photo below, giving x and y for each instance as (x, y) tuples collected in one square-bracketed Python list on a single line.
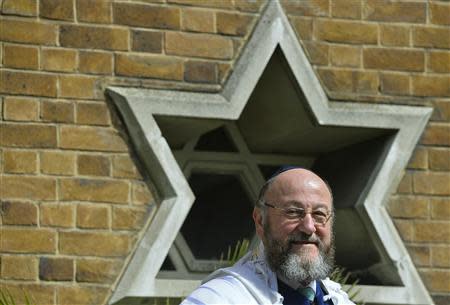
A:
[(294, 219)]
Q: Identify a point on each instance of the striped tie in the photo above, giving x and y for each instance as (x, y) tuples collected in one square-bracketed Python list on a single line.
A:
[(308, 292)]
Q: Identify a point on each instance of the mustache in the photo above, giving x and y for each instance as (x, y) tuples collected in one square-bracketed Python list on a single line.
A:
[(302, 237)]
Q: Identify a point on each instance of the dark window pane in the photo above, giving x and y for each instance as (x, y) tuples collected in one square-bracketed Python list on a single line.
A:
[(220, 216), (216, 140)]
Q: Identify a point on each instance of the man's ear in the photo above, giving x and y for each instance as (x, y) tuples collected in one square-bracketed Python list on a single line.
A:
[(258, 219)]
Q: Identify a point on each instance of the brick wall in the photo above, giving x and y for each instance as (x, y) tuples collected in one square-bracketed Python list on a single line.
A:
[(73, 202)]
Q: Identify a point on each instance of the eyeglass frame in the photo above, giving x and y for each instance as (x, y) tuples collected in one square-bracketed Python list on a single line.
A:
[(305, 211)]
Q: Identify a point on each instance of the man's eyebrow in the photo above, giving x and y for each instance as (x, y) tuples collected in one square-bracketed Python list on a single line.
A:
[(295, 204)]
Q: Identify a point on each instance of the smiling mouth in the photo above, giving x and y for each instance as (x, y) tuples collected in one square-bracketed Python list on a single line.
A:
[(304, 242)]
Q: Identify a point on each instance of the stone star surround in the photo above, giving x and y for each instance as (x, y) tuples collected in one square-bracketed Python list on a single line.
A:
[(139, 107)]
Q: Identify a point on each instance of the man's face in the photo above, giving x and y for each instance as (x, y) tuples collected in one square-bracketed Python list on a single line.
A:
[(297, 249)]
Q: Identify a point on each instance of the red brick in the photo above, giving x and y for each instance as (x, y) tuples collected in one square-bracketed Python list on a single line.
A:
[(95, 62), (95, 244), (409, 207), (345, 56), (436, 134), (432, 183), (29, 135), (77, 86), (142, 194), (441, 111), (303, 27), (123, 167), (386, 10), (440, 256), (19, 7), (86, 295), (41, 294), (28, 241), (57, 163), (28, 188), (93, 165), (62, 60), (350, 9), (393, 59), (56, 269), (232, 23), (91, 37), (16, 267), (420, 255), (307, 8), (20, 109), (97, 270), (425, 85), (436, 280), (431, 37), (57, 215), (161, 67), (440, 208), (200, 72), (225, 4), (18, 213), (249, 6), (405, 229), (432, 231), (92, 217), (28, 32), (92, 114), (439, 61), (94, 190), (349, 81), (91, 138), (19, 162), (195, 20), (439, 159), (419, 159), (125, 218), (439, 13), (141, 15), (57, 111), (147, 41), (395, 35), (59, 10), (394, 83), (346, 31), (317, 52), (14, 82), (98, 11), (199, 45), (20, 57), (405, 185)]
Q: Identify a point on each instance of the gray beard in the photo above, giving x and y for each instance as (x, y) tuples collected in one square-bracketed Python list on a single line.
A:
[(298, 268)]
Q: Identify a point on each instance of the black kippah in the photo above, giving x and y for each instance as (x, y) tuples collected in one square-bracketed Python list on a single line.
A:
[(283, 169)]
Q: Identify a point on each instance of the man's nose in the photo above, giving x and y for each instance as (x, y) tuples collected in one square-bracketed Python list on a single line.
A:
[(307, 225)]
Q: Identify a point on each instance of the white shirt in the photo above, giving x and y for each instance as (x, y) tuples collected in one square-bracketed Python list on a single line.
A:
[(251, 281)]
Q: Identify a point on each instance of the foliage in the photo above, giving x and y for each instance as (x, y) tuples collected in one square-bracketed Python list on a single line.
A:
[(341, 276), (239, 251), (7, 299)]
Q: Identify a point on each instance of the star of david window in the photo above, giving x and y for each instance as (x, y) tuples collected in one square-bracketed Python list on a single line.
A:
[(207, 155), (226, 162)]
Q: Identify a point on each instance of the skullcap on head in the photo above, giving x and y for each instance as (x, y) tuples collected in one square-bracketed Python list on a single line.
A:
[(283, 169)]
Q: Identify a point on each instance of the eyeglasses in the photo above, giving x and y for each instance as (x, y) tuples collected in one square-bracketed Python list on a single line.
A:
[(319, 217)]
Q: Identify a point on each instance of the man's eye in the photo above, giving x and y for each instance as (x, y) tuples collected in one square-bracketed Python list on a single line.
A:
[(294, 213), (320, 217), (320, 214)]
